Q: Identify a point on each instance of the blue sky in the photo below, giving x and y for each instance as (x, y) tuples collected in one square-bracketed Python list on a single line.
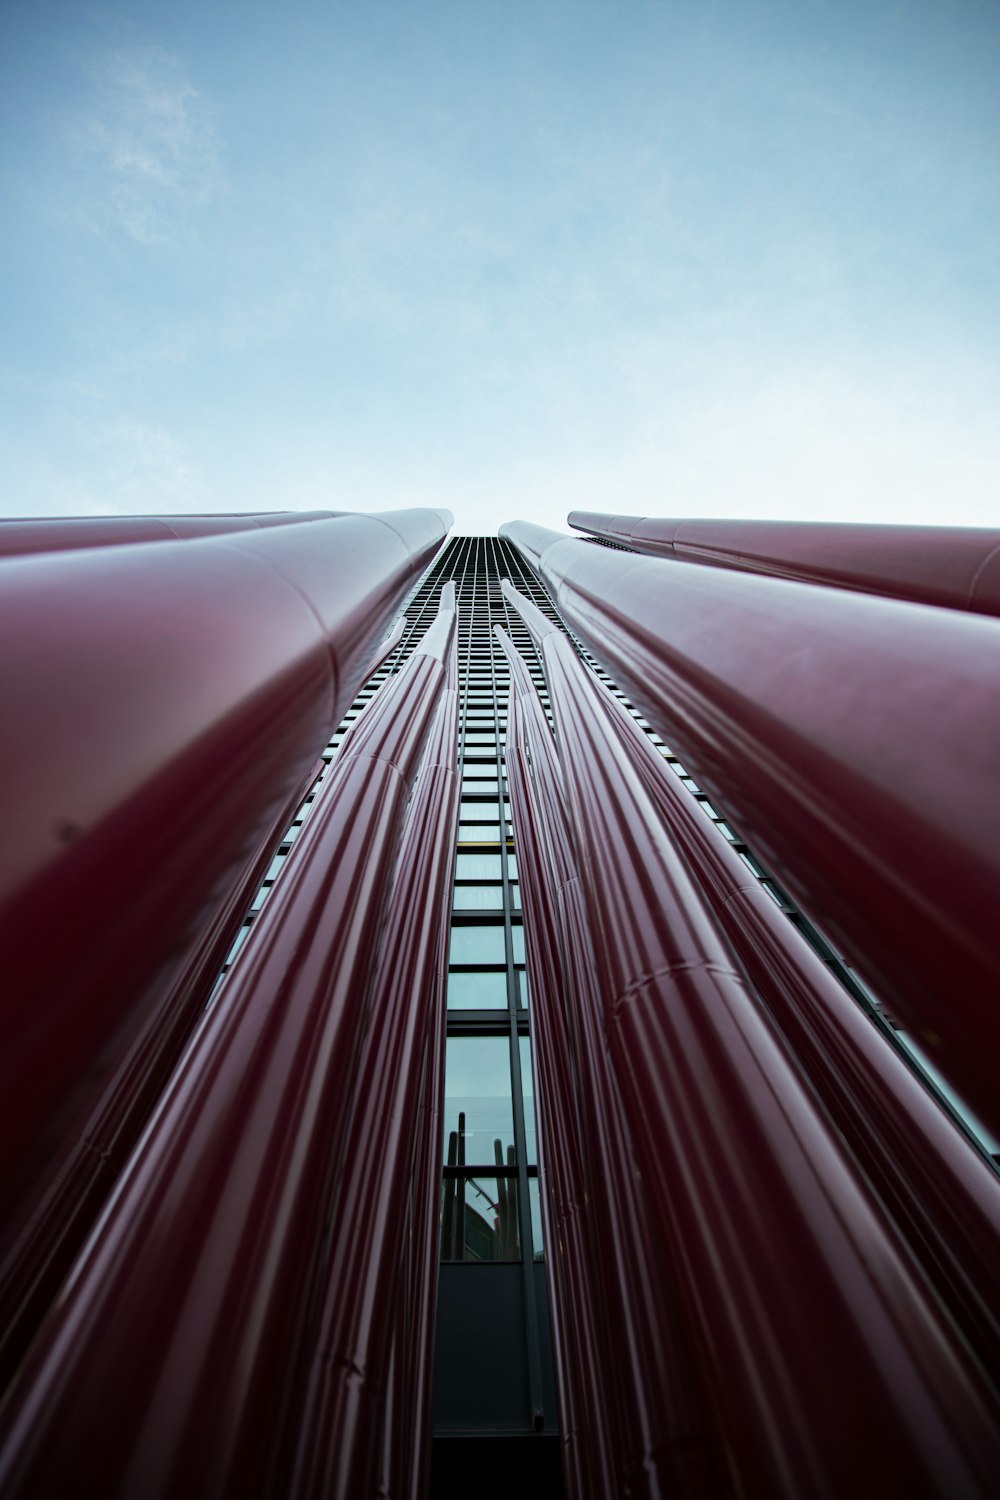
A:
[(734, 258)]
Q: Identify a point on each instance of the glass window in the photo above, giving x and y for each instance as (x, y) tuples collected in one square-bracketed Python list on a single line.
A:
[(512, 866), (478, 1108), (523, 991), (534, 1197), (472, 812), (515, 897), (517, 939), (478, 898), (528, 1090), (477, 945), (479, 1219), (479, 833), (488, 788), (482, 991), (477, 866), (479, 771)]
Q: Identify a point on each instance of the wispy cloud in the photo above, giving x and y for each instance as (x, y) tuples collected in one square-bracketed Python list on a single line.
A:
[(154, 140)]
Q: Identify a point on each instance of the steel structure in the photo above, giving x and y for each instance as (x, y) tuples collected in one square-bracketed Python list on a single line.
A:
[(254, 1216)]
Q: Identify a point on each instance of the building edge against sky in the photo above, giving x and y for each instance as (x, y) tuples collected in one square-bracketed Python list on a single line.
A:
[(567, 978)]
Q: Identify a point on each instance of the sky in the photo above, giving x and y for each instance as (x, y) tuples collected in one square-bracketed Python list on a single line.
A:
[(664, 257)]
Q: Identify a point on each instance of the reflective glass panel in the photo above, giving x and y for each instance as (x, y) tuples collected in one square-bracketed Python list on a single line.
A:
[(517, 941), (478, 1111), (477, 945), (477, 866), (528, 1090), (479, 833), (479, 1219), (482, 991), (537, 1239), (478, 898)]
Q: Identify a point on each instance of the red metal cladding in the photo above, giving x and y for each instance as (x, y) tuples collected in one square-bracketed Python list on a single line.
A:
[(582, 1359), (19, 538), (855, 741), (649, 1387), (954, 566), (164, 705), (941, 1192), (174, 1359), (340, 1438), (41, 1245), (776, 1241)]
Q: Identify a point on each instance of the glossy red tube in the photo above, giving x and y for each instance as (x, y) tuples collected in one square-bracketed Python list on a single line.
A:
[(649, 1390), (955, 566), (20, 538), (777, 1243), (941, 1192), (340, 1439), (164, 706), (582, 1359), (174, 1360), (854, 742)]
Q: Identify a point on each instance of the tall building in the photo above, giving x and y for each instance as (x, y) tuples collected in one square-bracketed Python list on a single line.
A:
[(684, 1176)]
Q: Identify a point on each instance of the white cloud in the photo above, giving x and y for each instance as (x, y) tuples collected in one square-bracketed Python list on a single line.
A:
[(154, 140)]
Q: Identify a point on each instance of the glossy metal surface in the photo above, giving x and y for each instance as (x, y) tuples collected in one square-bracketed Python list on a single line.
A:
[(59, 534), (189, 1310), (954, 566), (166, 707), (856, 743), (943, 1195), (365, 1265), (777, 1243), (641, 1427)]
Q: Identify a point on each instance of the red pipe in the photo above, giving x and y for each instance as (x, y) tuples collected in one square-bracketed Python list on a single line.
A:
[(854, 742), (954, 566), (777, 1244), (658, 1425), (173, 1362), (20, 538), (41, 1245), (941, 1192), (165, 707), (339, 1444), (584, 1367)]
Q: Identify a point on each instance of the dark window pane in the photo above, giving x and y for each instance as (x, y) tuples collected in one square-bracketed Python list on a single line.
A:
[(534, 1197), (479, 1219)]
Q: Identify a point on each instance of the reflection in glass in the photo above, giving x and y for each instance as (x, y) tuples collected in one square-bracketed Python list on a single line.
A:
[(477, 866), (478, 897), (477, 945), (478, 1107), (479, 833), (535, 1202), (528, 1090), (479, 1219), (482, 991)]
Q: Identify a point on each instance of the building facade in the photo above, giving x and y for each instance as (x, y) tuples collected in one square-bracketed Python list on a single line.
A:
[(674, 1145)]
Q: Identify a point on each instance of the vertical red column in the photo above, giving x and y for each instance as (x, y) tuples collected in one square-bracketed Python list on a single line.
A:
[(853, 739), (175, 1361), (776, 1242), (166, 709), (386, 1136), (639, 1423), (943, 1196)]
